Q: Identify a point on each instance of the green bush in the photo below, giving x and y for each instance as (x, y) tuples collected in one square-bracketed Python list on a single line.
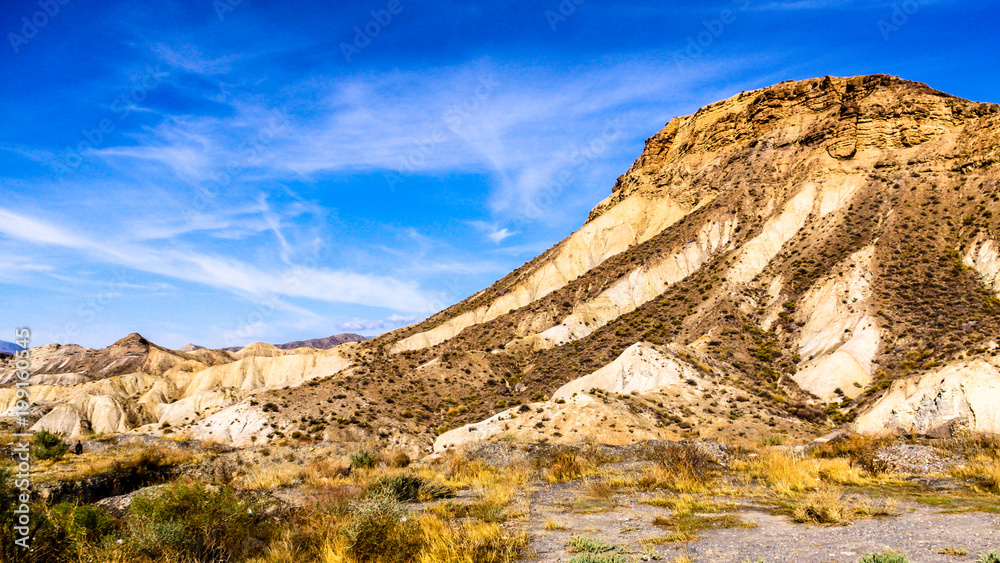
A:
[(57, 535), (79, 527), (408, 488), (192, 522), (884, 557), (363, 459), (991, 557), (381, 530), (46, 445)]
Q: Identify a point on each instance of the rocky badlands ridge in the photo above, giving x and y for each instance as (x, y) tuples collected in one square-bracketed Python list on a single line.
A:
[(133, 382), (807, 255)]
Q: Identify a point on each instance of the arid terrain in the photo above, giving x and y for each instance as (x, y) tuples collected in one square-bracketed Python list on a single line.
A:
[(811, 258)]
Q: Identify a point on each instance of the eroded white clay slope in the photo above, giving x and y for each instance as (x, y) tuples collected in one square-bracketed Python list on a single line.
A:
[(966, 391), (984, 258), (576, 415), (632, 221), (839, 339), (820, 200), (638, 287)]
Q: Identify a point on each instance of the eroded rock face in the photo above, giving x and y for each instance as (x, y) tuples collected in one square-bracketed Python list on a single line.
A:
[(965, 393), (840, 338), (817, 207), (601, 407), (77, 390), (812, 242)]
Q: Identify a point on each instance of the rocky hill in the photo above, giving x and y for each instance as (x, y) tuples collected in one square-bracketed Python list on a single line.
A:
[(804, 256)]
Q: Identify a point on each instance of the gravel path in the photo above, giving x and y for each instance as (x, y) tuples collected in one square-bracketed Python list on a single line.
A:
[(920, 531)]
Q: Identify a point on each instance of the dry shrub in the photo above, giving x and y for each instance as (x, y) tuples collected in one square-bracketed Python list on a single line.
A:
[(409, 488), (565, 467), (599, 489), (398, 460), (861, 450), (684, 468), (825, 506), (829, 505), (840, 471), (974, 445), (866, 507), (380, 531), (192, 522), (325, 469), (985, 472), (265, 478)]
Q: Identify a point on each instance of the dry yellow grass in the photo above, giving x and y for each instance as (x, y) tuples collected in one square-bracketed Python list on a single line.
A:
[(470, 542), (781, 473), (679, 480), (114, 460), (984, 470), (829, 505), (267, 477), (840, 471)]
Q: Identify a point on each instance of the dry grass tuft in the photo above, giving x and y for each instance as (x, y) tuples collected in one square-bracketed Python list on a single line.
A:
[(470, 542), (983, 471), (566, 466), (829, 505), (780, 472), (682, 468)]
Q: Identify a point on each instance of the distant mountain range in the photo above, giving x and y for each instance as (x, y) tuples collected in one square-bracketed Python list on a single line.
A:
[(10, 347), (318, 343)]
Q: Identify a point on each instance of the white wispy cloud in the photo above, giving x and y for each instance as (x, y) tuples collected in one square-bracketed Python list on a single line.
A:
[(223, 272), (370, 325), (524, 126), (492, 231)]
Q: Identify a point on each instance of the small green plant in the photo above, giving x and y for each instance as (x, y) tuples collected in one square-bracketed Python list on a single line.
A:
[(363, 459), (595, 558), (578, 544), (46, 445), (991, 557), (772, 440), (884, 557)]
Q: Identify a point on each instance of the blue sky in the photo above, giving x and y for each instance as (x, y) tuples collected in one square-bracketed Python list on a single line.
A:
[(228, 171)]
